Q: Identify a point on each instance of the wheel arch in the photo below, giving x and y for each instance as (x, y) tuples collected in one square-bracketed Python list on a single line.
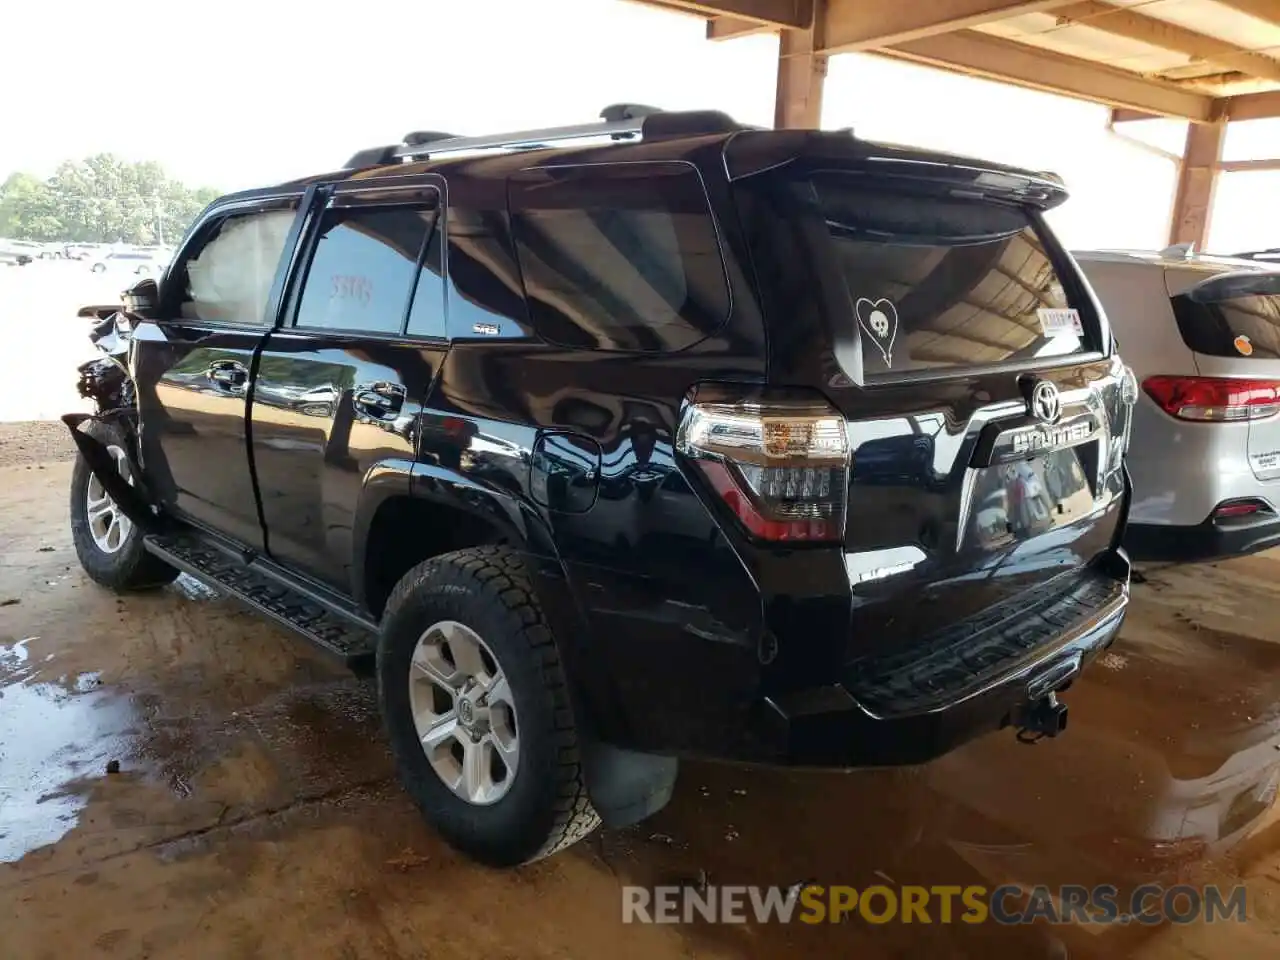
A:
[(409, 512), (433, 510)]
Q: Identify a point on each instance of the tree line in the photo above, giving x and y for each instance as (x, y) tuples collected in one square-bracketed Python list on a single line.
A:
[(102, 199)]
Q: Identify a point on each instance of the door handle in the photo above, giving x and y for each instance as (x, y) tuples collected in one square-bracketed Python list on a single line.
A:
[(381, 401), (228, 374)]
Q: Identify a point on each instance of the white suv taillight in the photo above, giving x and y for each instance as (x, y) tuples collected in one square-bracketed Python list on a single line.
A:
[(1214, 399), (781, 465)]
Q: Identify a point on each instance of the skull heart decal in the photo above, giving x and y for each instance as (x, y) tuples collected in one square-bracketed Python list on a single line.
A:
[(879, 320)]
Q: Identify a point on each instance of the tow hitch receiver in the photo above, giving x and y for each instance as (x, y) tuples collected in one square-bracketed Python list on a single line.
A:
[(1041, 718)]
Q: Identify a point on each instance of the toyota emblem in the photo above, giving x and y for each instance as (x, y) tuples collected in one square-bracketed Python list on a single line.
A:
[(1045, 403)]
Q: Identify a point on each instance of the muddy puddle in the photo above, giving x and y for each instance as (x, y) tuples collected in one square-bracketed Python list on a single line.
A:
[(54, 736)]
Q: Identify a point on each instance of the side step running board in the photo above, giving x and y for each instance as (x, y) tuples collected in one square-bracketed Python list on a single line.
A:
[(340, 633)]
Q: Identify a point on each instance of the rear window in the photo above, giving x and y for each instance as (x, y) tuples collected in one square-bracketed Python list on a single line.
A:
[(938, 282), (1233, 315), (619, 257)]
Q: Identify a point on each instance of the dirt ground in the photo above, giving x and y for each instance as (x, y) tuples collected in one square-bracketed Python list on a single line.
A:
[(254, 814)]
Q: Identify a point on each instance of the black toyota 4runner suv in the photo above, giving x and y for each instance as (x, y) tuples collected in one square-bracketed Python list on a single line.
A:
[(612, 444)]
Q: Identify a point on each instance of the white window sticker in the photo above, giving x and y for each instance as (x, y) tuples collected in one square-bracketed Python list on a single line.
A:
[(1055, 322)]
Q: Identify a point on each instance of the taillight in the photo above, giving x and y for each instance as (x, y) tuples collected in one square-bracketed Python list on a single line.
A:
[(1214, 399), (781, 465), (1240, 508), (1235, 510)]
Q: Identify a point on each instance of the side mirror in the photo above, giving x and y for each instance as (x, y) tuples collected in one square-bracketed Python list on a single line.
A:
[(97, 312), (142, 298)]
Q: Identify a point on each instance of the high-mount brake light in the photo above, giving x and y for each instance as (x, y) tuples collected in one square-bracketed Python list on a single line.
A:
[(780, 465), (1214, 399)]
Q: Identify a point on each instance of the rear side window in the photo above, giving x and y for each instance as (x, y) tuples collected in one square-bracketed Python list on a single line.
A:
[(1233, 315), (619, 257), (365, 267), (934, 282)]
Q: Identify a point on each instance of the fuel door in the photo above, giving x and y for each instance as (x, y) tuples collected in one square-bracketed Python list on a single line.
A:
[(564, 472)]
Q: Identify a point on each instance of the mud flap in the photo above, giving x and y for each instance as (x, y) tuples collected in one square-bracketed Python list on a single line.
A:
[(625, 786), (127, 497)]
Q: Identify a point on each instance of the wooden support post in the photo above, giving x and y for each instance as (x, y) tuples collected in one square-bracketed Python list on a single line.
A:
[(1197, 179), (802, 70)]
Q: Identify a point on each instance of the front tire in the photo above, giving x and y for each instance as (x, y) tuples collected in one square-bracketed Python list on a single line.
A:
[(476, 705), (108, 544)]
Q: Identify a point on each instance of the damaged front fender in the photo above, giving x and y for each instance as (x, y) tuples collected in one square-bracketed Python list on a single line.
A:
[(131, 501)]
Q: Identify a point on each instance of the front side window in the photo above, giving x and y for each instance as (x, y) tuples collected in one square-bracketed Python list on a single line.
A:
[(228, 277), (620, 257), (364, 268), (936, 282)]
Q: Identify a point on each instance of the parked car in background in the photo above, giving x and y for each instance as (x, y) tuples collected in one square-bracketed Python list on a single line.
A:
[(1202, 334), (143, 263), (15, 253)]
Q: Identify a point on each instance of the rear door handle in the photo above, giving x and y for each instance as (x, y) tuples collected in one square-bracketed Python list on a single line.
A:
[(228, 374), (382, 401)]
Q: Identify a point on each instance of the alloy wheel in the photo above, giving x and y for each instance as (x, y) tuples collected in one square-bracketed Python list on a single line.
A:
[(464, 712), (108, 526)]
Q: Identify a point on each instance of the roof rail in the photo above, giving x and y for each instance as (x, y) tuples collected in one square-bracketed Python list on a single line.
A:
[(620, 121), (418, 137), (372, 157)]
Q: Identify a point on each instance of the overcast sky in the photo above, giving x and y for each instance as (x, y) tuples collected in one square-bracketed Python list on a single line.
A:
[(244, 92)]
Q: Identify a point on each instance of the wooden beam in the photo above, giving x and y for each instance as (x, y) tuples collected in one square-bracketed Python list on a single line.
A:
[(802, 72), (1167, 36), (1243, 166), (1197, 181), (1268, 10), (727, 28), (978, 54), (794, 14), (868, 24), (1253, 106), (1125, 115)]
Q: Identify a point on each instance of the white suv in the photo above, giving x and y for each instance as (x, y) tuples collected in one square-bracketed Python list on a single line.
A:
[(143, 263), (1203, 336)]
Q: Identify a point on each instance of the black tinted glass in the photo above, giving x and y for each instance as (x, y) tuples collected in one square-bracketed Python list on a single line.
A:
[(936, 282), (426, 317), (363, 268), (620, 257), (1232, 316)]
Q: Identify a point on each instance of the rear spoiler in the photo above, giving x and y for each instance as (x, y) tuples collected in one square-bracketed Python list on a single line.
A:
[(1229, 286), (803, 152), (1269, 255)]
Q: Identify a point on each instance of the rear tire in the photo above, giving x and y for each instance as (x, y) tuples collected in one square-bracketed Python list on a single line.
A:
[(485, 593), (117, 560)]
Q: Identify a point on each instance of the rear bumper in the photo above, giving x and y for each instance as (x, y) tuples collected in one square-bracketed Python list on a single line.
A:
[(1204, 541), (835, 726)]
